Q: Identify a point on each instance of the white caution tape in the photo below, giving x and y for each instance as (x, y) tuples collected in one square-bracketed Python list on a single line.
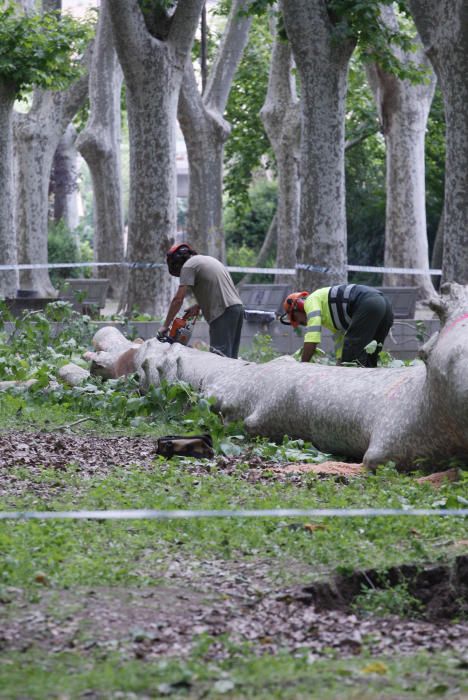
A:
[(248, 270), (255, 513), (58, 266), (393, 270)]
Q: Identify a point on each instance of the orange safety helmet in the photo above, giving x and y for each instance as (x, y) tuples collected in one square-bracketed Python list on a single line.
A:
[(177, 255), (293, 302)]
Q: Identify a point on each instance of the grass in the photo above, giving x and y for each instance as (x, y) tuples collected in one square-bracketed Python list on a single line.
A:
[(43, 560), (73, 552), (281, 677)]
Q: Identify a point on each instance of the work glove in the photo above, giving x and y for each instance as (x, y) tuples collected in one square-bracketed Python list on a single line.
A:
[(163, 331)]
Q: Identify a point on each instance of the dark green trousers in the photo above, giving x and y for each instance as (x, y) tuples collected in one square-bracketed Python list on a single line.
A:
[(225, 331)]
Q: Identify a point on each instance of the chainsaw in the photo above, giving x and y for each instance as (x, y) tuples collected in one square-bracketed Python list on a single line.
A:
[(180, 330)]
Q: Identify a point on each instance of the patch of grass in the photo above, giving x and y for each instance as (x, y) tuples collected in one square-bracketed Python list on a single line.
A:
[(389, 600), (282, 677), (76, 552)]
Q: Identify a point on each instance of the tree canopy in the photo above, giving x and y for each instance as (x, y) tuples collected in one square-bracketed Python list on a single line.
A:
[(40, 50)]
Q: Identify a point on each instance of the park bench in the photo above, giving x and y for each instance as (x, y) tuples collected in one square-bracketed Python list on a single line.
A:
[(89, 293), (27, 300), (402, 299), (263, 302)]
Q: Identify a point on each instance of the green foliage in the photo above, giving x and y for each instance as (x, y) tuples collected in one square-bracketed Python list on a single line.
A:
[(248, 144), (40, 50), (35, 348), (63, 246), (247, 226), (435, 165), (388, 600), (261, 350)]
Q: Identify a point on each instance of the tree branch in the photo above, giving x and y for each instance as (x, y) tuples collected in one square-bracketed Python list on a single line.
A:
[(228, 56), (183, 24)]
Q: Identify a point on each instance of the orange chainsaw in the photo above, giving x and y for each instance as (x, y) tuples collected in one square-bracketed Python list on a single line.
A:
[(181, 329)]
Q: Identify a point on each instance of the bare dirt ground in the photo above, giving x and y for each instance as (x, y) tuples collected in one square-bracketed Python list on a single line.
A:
[(235, 598)]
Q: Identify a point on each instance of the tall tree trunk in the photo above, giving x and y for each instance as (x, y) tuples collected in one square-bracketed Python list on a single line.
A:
[(322, 61), (281, 117), (443, 28), (403, 110), (153, 70), (99, 145), (205, 131), (37, 135), (8, 250), (63, 180)]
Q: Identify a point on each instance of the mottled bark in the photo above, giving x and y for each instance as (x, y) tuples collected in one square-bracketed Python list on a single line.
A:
[(403, 109), (281, 117), (443, 27), (205, 131), (153, 70), (63, 181), (8, 251), (322, 61), (37, 135), (405, 414), (99, 145)]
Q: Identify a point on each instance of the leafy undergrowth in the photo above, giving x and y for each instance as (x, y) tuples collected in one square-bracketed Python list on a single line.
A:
[(203, 607)]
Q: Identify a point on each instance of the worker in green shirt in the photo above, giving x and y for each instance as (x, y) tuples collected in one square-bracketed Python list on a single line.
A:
[(355, 314)]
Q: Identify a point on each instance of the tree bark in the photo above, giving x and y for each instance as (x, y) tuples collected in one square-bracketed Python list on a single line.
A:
[(443, 28), (8, 249), (399, 414), (322, 61), (205, 131), (99, 145), (403, 110), (153, 70), (63, 180), (281, 117), (37, 135)]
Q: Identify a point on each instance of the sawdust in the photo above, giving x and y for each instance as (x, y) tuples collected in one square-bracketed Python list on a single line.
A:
[(336, 468)]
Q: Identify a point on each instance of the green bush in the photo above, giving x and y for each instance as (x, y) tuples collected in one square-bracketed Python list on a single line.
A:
[(67, 247)]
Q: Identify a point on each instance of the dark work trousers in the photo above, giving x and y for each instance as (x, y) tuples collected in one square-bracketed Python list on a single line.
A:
[(371, 319), (225, 331)]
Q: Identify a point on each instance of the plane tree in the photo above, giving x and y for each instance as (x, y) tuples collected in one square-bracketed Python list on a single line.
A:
[(153, 40), (36, 50)]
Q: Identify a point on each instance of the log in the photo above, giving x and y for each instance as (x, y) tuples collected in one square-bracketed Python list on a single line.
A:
[(371, 415)]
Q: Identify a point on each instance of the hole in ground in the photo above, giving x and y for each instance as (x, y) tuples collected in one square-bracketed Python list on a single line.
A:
[(439, 592)]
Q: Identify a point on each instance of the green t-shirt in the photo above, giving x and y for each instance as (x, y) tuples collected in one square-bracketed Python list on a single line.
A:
[(211, 284)]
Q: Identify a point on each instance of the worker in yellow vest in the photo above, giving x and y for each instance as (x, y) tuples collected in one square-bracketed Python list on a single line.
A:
[(355, 314)]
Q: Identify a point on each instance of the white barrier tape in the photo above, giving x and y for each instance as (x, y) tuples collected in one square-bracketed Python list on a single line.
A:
[(368, 268), (393, 270), (255, 513), (251, 270), (56, 266), (264, 270)]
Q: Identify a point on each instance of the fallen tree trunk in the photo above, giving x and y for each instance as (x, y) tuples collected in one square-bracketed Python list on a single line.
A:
[(399, 414)]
